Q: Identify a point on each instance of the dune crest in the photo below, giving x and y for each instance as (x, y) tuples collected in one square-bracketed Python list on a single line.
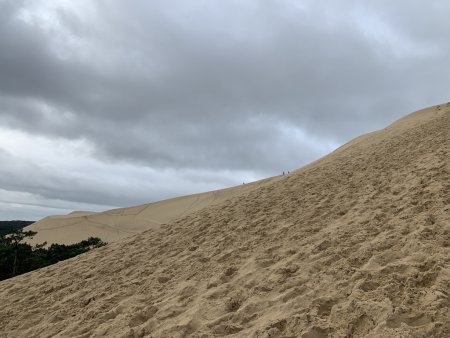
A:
[(356, 244)]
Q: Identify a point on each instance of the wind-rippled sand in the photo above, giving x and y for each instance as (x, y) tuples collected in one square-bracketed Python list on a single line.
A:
[(356, 244)]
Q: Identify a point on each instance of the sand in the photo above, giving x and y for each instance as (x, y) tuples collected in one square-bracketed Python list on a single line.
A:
[(113, 225), (356, 244)]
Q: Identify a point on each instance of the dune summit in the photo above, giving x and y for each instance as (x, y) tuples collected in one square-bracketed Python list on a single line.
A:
[(356, 244)]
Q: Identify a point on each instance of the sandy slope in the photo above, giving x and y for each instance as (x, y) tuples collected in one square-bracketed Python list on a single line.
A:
[(116, 224), (356, 244)]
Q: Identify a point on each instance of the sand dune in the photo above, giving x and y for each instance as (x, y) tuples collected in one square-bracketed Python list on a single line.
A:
[(356, 244), (116, 224)]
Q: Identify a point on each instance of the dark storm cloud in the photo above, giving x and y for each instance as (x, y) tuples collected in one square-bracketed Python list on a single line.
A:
[(255, 86)]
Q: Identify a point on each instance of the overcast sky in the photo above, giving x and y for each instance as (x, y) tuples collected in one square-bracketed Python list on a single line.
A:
[(113, 103)]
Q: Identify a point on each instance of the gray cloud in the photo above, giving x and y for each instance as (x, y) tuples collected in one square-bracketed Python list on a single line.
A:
[(232, 90)]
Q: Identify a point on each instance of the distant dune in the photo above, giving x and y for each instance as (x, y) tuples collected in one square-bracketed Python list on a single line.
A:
[(116, 224), (356, 244)]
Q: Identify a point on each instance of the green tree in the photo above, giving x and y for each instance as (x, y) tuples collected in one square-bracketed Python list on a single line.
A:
[(17, 257), (14, 240)]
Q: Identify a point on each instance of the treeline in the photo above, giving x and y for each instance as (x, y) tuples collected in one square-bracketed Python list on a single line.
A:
[(8, 226), (18, 257)]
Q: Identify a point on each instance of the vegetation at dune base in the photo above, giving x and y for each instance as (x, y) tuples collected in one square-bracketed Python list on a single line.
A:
[(18, 257), (8, 226)]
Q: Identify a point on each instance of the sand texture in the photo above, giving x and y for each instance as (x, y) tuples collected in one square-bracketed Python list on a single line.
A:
[(113, 225), (356, 244)]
